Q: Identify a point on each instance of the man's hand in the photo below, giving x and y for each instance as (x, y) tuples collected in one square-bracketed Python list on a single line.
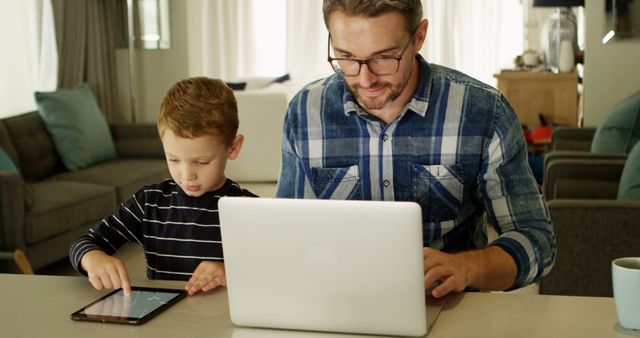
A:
[(207, 276), (105, 271), (446, 272), (486, 269)]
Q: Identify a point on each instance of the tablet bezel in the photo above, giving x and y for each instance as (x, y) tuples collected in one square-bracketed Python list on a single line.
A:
[(80, 316)]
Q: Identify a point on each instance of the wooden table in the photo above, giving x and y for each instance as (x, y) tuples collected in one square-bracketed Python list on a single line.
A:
[(39, 306), (555, 96)]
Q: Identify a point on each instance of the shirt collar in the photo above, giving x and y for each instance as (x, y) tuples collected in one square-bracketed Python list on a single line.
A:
[(418, 104)]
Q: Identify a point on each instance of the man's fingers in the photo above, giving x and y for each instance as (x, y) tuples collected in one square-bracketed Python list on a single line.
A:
[(450, 284), (432, 258), (442, 289), (433, 276)]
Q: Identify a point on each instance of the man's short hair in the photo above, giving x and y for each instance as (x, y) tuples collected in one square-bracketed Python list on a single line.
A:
[(197, 107), (411, 10)]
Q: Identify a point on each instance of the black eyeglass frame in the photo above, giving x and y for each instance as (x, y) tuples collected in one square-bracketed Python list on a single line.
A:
[(361, 62)]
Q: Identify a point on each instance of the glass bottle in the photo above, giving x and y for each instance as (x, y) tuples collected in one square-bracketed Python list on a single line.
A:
[(562, 26)]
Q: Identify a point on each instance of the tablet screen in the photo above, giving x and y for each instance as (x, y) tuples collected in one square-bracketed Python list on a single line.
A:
[(140, 306)]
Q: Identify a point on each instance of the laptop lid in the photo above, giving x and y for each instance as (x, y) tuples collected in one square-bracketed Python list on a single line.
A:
[(324, 265)]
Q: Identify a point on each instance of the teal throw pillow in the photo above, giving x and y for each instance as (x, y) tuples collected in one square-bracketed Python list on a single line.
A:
[(629, 188), (79, 131), (6, 164), (612, 134)]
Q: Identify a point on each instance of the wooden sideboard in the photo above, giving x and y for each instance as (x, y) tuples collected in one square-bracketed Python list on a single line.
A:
[(555, 96)]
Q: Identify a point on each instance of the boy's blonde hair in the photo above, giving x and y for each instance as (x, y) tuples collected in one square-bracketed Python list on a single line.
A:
[(199, 106)]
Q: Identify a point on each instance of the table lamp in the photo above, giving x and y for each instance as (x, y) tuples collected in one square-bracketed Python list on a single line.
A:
[(560, 35)]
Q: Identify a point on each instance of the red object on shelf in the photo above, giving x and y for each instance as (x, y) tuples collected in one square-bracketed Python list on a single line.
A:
[(527, 134), (541, 134)]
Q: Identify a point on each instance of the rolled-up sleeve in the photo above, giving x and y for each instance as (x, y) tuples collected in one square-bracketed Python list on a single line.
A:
[(513, 200)]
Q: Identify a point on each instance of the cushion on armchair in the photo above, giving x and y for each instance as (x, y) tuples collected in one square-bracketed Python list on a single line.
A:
[(614, 131), (75, 122), (629, 188)]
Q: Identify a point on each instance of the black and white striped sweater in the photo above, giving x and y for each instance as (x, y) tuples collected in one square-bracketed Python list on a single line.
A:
[(177, 231)]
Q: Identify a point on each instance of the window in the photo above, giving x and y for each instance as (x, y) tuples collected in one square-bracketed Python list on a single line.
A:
[(28, 61), (268, 34)]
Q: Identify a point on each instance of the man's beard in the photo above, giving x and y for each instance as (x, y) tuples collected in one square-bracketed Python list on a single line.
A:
[(378, 102)]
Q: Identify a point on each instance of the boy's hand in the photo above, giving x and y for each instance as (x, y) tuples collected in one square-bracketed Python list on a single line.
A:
[(208, 276), (105, 271)]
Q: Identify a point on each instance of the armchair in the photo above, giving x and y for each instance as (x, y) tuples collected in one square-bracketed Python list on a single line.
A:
[(591, 225), (582, 176), (589, 235), (612, 139), (571, 149), (572, 139)]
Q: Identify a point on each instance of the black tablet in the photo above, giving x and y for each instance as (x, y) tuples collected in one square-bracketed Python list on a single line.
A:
[(143, 304)]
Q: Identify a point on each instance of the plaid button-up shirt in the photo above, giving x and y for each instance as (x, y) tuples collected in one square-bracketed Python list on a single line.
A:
[(457, 149)]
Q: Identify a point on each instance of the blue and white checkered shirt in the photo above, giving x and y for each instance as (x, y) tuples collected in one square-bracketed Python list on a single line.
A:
[(457, 149)]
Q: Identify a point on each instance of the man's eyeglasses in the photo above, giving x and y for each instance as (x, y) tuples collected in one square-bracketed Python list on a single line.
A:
[(378, 65)]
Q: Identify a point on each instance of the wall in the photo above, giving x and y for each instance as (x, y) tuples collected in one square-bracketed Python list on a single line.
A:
[(611, 71)]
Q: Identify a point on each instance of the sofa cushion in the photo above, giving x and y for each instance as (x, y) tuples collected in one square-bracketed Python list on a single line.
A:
[(34, 149), (127, 176), (59, 207), (79, 130), (629, 188), (7, 145), (614, 131), (6, 164)]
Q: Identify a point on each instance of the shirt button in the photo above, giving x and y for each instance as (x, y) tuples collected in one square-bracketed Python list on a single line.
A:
[(385, 137), (386, 183)]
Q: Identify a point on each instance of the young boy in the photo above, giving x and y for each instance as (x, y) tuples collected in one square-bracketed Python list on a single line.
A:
[(176, 221)]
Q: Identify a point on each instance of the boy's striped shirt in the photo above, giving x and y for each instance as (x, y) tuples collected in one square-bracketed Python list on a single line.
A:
[(177, 231)]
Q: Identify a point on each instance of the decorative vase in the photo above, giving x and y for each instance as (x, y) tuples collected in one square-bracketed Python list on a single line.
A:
[(560, 27), (567, 57)]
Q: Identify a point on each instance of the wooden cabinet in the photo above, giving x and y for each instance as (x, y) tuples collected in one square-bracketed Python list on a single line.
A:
[(555, 96)]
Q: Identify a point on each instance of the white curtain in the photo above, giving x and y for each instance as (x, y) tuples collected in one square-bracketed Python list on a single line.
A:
[(220, 37), (29, 57), (306, 41), (476, 37), (242, 39)]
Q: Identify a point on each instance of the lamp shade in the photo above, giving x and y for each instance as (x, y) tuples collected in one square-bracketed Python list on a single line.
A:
[(557, 3)]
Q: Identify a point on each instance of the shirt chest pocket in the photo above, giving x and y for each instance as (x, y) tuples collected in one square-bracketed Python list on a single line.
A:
[(440, 189), (334, 183)]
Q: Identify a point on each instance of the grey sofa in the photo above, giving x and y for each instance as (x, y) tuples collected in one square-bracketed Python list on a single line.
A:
[(44, 206)]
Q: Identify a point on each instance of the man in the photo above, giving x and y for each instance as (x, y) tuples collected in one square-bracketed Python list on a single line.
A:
[(390, 126)]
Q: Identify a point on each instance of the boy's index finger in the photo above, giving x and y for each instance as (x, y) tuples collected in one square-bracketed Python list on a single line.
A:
[(126, 288), (124, 279)]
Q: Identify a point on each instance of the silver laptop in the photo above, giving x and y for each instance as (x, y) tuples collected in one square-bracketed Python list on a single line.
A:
[(324, 265)]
